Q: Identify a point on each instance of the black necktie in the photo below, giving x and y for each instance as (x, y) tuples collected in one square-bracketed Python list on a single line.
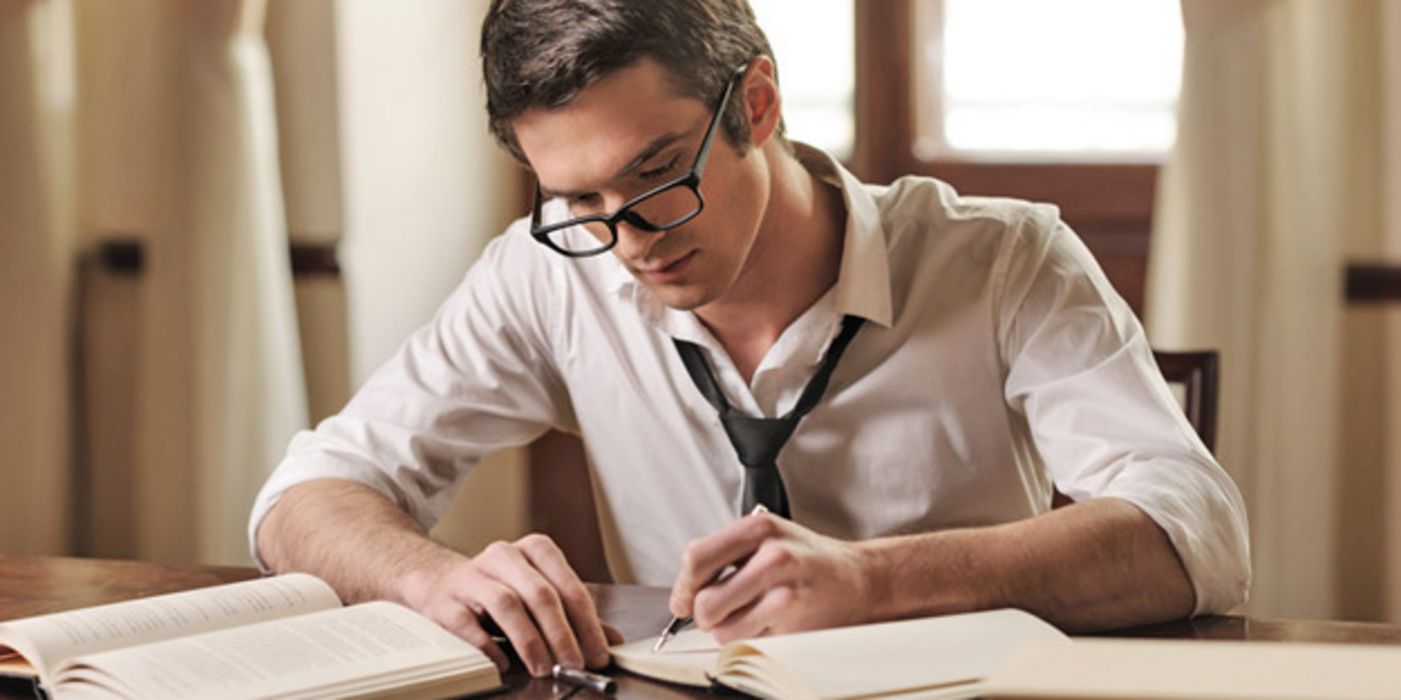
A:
[(758, 441)]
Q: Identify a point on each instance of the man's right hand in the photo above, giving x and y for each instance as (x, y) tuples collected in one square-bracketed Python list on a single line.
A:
[(529, 590)]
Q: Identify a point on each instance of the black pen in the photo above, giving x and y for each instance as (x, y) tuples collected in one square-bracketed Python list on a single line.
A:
[(678, 622)]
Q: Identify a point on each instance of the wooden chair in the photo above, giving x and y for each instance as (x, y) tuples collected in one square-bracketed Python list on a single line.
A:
[(566, 512), (1197, 371)]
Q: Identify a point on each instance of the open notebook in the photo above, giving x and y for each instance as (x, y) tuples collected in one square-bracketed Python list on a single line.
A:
[(1197, 670), (945, 657)]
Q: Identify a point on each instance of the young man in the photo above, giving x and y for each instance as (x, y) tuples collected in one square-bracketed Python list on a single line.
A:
[(954, 358)]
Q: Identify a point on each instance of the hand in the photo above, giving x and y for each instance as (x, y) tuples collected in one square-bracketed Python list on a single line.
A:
[(791, 579), (530, 592)]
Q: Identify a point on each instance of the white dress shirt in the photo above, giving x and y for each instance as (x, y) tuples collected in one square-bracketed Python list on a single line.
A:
[(995, 360)]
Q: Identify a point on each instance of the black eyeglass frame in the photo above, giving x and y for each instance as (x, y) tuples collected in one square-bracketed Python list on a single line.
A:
[(691, 180)]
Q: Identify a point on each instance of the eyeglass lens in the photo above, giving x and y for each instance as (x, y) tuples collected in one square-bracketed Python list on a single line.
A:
[(666, 209)]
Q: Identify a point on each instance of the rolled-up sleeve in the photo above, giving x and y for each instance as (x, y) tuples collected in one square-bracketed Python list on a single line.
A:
[(476, 379), (1102, 418)]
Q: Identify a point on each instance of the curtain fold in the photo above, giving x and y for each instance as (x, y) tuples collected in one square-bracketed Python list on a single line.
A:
[(36, 272), (1272, 186), (249, 392), (1390, 25), (151, 121)]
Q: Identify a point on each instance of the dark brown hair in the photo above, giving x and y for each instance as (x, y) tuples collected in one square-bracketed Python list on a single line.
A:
[(543, 53)]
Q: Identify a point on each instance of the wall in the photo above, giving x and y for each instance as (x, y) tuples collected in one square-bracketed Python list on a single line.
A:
[(385, 150)]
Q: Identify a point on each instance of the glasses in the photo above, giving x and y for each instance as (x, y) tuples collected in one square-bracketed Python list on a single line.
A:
[(663, 207)]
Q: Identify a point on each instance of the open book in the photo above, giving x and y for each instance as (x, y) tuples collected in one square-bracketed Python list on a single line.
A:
[(943, 657), (1197, 670), (285, 636)]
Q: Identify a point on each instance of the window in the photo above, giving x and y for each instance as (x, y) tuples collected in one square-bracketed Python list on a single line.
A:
[(1034, 80), (814, 44), (920, 88)]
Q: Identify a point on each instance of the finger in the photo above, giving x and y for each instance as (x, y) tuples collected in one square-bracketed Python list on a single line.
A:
[(547, 558), (772, 565), (706, 557), (470, 629), (511, 567), (613, 634), (769, 615), (509, 613)]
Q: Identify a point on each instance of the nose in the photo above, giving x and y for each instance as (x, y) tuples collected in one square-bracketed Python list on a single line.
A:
[(635, 243)]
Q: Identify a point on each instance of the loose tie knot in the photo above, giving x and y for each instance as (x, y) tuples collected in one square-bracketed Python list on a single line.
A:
[(757, 441)]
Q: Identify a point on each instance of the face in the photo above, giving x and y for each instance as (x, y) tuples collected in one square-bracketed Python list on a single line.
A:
[(628, 133)]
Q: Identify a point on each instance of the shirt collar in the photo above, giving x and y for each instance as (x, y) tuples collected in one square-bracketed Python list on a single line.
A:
[(863, 278)]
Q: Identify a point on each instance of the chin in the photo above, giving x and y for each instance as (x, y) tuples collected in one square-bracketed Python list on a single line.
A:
[(683, 298)]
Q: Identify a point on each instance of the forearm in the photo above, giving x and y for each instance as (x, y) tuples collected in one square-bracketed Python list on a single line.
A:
[(1095, 565), (357, 540)]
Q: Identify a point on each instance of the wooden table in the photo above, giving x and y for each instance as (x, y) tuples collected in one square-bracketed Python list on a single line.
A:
[(38, 585)]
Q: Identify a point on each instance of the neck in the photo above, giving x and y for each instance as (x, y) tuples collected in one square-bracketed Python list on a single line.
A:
[(794, 261)]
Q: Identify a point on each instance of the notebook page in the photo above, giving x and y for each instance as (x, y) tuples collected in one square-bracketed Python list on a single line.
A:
[(48, 639), (685, 659), (888, 657), (363, 648), (1199, 669)]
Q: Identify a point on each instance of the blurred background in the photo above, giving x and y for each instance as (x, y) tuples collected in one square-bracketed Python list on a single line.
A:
[(217, 217)]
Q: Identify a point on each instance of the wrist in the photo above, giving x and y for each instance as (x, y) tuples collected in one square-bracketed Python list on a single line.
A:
[(413, 581), (929, 574)]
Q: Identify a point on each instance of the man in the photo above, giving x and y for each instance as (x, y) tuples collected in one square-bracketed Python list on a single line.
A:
[(954, 359)]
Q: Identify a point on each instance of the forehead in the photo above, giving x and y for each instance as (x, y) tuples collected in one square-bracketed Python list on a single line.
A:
[(582, 144)]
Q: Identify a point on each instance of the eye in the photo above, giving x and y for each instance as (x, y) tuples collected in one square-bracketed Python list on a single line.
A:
[(655, 173), (581, 201)]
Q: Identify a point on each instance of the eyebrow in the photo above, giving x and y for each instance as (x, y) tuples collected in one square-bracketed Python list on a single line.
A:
[(647, 152)]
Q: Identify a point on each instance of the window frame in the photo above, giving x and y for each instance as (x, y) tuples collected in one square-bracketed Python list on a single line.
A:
[(1109, 204)]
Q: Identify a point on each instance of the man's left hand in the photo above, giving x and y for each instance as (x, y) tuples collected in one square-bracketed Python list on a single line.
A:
[(789, 579)]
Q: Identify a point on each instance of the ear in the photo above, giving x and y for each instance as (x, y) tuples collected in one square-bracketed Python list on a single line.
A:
[(762, 102)]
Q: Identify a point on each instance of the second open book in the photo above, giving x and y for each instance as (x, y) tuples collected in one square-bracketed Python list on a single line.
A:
[(944, 657), (1009, 654)]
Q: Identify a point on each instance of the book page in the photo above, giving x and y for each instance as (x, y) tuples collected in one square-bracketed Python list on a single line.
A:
[(359, 650), (884, 658), (1198, 669), (48, 639), (687, 657)]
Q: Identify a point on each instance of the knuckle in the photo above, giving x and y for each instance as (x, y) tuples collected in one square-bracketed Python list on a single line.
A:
[(458, 618), (779, 557), (537, 594), (501, 598), (567, 648), (578, 599), (535, 649), (691, 556), (535, 542), (495, 549), (784, 597)]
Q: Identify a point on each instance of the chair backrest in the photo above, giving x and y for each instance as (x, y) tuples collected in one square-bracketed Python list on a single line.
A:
[(1198, 372)]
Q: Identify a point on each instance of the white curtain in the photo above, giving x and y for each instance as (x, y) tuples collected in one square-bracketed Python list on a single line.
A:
[(148, 120), (36, 263), (249, 392), (1274, 184)]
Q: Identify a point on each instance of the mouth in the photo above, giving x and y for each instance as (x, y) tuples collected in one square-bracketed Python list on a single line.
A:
[(668, 272)]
